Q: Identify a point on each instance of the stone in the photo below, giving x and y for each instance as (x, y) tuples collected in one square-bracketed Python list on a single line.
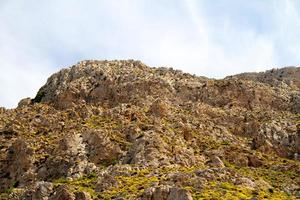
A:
[(19, 166), (215, 161), (179, 194), (24, 102), (106, 181), (262, 184), (82, 196), (246, 182), (254, 161), (159, 108), (100, 148), (62, 193), (165, 192), (42, 190), (122, 130)]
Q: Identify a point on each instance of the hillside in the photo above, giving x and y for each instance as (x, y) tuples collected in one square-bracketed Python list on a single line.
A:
[(123, 130)]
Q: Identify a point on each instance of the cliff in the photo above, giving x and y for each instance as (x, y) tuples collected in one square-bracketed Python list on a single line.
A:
[(123, 130)]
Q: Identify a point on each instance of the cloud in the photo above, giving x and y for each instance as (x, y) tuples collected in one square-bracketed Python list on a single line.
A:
[(214, 39), (21, 74)]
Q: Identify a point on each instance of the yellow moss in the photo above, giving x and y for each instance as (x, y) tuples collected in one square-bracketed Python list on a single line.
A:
[(274, 196), (130, 186), (86, 184), (102, 122), (276, 178), (226, 190), (4, 196)]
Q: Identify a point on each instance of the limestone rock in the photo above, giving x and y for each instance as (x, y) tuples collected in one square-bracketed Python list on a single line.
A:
[(121, 130), (179, 194), (166, 193), (18, 169), (42, 191), (62, 193), (100, 148), (24, 102), (159, 108), (216, 162), (82, 196), (245, 182)]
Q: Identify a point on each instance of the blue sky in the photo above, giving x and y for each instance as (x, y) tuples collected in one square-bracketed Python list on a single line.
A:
[(211, 38)]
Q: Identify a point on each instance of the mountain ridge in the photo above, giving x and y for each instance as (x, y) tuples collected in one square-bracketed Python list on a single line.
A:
[(122, 130)]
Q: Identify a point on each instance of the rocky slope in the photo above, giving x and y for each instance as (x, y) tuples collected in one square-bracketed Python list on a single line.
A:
[(122, 130)]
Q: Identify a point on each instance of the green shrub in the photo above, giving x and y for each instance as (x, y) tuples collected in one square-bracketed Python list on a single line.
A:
[(39, 96)]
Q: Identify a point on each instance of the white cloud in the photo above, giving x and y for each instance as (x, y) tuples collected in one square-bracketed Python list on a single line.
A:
[(206, 38)]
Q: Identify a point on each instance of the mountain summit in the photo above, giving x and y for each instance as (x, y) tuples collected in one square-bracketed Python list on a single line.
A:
[(122, 130)]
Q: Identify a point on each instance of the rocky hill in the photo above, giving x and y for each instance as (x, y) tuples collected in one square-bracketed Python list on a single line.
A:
[(275, 77), (122, 130)]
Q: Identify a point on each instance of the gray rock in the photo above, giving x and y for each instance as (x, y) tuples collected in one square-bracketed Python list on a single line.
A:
[(62, 193), (42, 191), (179, 194), (82, 196), (24, 102), (166, 192)]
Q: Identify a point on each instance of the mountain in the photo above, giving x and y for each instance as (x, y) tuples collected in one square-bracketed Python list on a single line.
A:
[(122, 130), (275, 77)]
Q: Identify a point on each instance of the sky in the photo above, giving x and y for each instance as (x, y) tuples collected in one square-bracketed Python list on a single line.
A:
[(203, 37)]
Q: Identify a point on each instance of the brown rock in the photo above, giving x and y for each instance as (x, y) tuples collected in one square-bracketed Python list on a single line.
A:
[(254, 161), (166, 193), (19, 169), (82, 196), (106, 181), (179, 194), (62, 193), (89, 121), (215, 161), (42, 191), (159, 108), (245, 182), (100, 148), (24, 102)]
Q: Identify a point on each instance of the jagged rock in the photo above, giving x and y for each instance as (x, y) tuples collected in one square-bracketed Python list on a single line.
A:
[(245, 182), (147, 150), (18, 170), (280, 137), (295, 100), (100, 148), (42, 190), (254, 161), (180, 180), (212, 174), (106, 181), (2, 110), (166, 193), (122, 130), (237, 158), (273, 77), (71, 159), (24, 102), (262, 184), (17, 195), (62, 193), (215, 161), (159, 108), (82, 196), (179, 194), (92, 82)]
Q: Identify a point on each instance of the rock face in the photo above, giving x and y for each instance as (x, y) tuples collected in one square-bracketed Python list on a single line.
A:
[(166, 193), (122, 130), (275, 77)]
